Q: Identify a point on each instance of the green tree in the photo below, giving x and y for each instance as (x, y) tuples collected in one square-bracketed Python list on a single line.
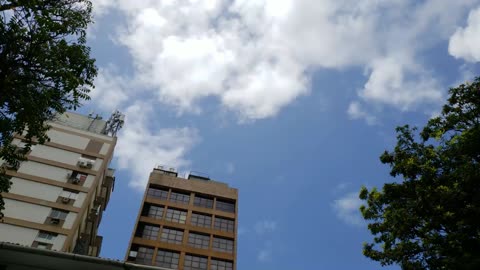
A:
[(45, 68), (431, 219)]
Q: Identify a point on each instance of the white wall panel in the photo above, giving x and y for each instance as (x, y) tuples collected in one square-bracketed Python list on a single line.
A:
[(26, 211), (35, 190), (45, 171), (69, 220), (58, 242), (68, 139), (16, 234)]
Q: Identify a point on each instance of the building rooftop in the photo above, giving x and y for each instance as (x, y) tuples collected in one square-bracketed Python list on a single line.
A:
[(17, 257), (92, 122)]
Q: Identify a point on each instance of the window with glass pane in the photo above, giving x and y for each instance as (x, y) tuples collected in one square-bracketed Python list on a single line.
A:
[(194, 263), (150, 232), (220, 265), (144, 255), (225, 206), (46, 235), (203, 202), (167, 259), (60, 214), (155, 211), (224, 224), (175, 215), (69, 194), (158, 193), (201, 220), (179, 197), (172, 236), (222, 244), (198, 240)]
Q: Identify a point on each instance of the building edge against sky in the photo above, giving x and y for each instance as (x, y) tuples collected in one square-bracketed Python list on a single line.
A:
[(59, 193), (185, 223)]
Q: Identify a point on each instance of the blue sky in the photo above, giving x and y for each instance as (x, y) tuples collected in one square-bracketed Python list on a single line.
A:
[(295, 99)]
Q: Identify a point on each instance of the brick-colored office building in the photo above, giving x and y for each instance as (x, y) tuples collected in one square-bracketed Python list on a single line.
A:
[(185, 224)]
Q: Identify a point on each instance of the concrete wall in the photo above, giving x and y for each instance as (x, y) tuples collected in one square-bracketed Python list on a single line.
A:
[(100, 136), (69, 220), (17, 234), (45, 171), (55, 154), (68, 139), (26, 211), (35, 190)]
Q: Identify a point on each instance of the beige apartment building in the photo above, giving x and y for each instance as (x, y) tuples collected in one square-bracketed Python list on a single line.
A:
[(59, 193), (185, 224)]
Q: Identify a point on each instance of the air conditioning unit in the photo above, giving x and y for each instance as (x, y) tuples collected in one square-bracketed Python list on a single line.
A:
[(132, 254), (85, 163), (65, 200), (75, 181), (55, 221)]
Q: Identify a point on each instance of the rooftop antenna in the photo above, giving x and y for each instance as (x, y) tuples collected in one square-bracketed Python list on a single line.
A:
[(114, 123)]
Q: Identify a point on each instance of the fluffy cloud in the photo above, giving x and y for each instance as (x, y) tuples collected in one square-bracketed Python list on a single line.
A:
[(257, 56), (464, 43), (347, 209), (110, 89), (355, 111), (139, 148)]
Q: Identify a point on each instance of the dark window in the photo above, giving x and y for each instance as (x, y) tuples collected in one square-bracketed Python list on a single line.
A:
[(222, 244), (161, 194), (175, 215), (46, 236), (226, 206), (179, 197), (153, 211), (194, 263), (220, 265), (201, 220), (198, 240), (172, 236), (167, 259), (224, 224), (147, 231), (58, 214), (203, 202), (144, 255)]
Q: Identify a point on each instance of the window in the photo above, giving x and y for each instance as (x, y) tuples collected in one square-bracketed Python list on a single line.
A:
[(194, 263), (153, 211), (161, 194), (220, 265), (43, 246), (226, 206), (179, 197), (198, 240), (201, 220), (203, 202), (172, 236), (58, 214), (69, 194), (175, 215), (149, 231), (167, 259), (144, 255), (46, 236), (77, 178), (224, 224), (222, 244)]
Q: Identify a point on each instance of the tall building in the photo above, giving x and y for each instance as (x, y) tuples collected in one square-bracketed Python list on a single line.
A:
[(185, 224), (59, 193)]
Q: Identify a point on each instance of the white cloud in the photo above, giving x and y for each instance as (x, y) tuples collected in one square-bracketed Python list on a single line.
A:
[(139, 148), (464, 43), (264, 254), (347, 209), (230, 167), (355, 111), (257, 56), (110, 90), (265, 226)]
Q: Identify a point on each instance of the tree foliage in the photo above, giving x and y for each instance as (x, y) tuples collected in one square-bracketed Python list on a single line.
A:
[(431, 219), (45, 68)]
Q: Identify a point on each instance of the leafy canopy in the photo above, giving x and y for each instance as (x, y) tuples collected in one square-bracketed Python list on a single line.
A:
[(431, 219), (45, 68)]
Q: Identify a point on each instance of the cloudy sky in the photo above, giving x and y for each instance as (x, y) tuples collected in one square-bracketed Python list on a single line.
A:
[(290, 101)]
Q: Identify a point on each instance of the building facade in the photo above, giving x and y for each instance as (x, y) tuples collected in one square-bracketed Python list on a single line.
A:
[(185, 224), (59, 193)]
